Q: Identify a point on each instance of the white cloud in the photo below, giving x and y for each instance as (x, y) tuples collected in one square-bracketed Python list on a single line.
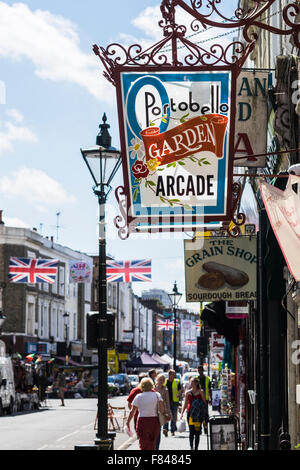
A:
[(11, 133), (15, 115), (52, 44), (35, 187)]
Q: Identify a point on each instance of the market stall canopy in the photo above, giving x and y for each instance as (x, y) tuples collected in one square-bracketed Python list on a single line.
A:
[(167, 358), (145, 360), (160, 359)]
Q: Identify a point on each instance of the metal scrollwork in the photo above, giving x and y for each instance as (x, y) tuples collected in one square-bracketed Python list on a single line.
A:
[(239, 218), (122, 222), (203, 14)]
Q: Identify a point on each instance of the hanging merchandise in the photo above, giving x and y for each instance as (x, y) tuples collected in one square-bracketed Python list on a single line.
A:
[(225, 390)]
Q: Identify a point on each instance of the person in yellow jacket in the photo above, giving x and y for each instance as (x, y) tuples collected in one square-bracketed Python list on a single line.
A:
[(205, 384), (174, 388)]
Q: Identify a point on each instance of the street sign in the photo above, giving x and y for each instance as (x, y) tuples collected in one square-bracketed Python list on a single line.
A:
[(251, 118), (220, 269), (175, 132)]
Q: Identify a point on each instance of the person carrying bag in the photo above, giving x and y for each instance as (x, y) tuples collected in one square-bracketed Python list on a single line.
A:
[(195, 404), (164, 418)]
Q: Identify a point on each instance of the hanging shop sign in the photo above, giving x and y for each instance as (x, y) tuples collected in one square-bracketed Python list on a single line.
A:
[(220, 269), (237, 309), (251, 118), (175, 129), (217, 342), (80, 271)]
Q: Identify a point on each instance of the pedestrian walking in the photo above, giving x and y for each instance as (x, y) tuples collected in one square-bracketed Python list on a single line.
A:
[(162, 389), (205, 384), (135, 391), (195, 404), (61, 383), (152, 374), (174, 389), (147, 403)]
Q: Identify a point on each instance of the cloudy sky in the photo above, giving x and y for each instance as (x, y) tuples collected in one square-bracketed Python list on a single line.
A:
[(52, 98)]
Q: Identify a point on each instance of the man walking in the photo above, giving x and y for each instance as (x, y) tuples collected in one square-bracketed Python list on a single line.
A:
[(174, 389), (61, 383)]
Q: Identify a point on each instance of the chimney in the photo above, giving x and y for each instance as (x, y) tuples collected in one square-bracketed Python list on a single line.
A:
[(1, 221)]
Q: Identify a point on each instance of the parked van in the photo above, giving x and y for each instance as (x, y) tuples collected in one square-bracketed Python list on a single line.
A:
[(7, 385)]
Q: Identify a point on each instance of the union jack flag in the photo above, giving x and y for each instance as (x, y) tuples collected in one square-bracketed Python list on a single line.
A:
[(198, 326), (165, 325), (128, 271), (32, 270), (191, 342)]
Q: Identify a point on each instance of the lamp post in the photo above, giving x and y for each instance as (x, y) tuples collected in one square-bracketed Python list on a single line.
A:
[(175, 298), (103, 162), (66, 323)]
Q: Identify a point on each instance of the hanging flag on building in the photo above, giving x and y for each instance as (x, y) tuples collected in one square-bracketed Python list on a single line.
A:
[(31, 270), (128, 271), (284, 215), (191, 342), (166, 325), (80, 271)]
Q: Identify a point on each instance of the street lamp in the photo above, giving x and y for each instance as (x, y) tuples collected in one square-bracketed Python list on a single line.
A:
[(66, 323), (175, 298), (103, 162)]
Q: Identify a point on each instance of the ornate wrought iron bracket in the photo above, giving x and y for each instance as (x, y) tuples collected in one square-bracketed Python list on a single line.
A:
[(239, 218), (186, 53)]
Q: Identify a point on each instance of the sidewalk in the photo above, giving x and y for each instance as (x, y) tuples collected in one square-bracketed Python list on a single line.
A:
[(178, 442)]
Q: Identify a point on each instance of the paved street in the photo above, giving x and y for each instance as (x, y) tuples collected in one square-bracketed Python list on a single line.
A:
[(55, 427), (62, 428)]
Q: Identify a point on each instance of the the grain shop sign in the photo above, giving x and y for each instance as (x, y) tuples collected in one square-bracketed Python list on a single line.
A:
[(220, 269)]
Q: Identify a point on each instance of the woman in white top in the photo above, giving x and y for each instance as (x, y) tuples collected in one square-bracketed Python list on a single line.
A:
[(147, 403)]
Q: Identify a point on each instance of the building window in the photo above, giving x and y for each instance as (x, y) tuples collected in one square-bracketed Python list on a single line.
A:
[(30, 318), (60, 325), (54, 285), (45, 321), (54, 322), (74, 326), (62, 281)]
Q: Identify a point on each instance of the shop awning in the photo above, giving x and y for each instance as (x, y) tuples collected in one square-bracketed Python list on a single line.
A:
[(70, 361)]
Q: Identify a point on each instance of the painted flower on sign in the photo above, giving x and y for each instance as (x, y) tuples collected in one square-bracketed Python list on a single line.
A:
[(153, 163), (139, 170), (136, 148)]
